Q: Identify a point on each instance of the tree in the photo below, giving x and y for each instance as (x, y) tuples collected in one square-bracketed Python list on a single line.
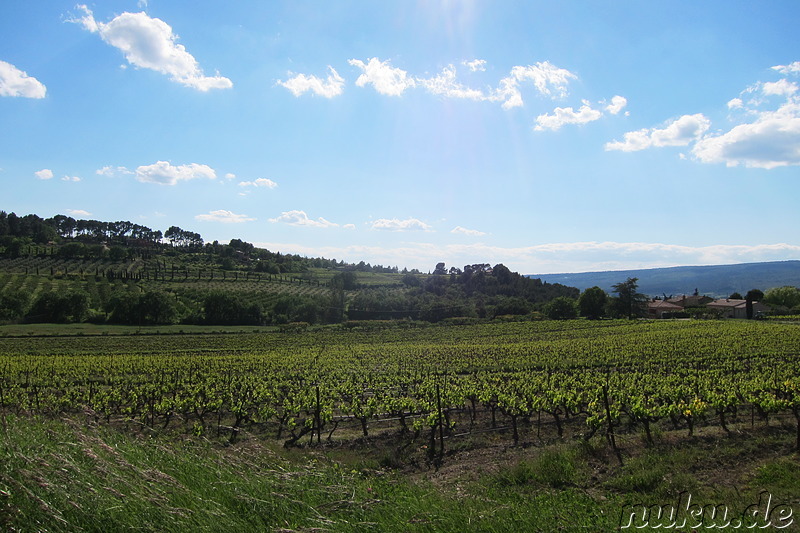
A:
[(72, 306), (735, 296), (628, 302), (440, 269), (753, 295), (13, 304), (788, 297), (561, 308), (592, 303)]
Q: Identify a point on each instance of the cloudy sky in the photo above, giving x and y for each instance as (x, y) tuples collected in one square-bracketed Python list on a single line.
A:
[(549, 136)]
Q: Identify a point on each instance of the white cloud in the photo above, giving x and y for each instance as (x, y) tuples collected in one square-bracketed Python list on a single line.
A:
[(550, 257), (476, 65), (226, 217), (44, 174), (384, 78), (393, 224), (149, 43), (111, 172), (567, 115), (164, 173), (78, 213), (617, 104), (260, 182), (230, 176), (14, 82), (771, 140), (73, 179), (735, 103), (679, 132), (349, 226), (793, 68), (464, 231), (332, 86), (782, 87), (445, 84), (300, 218), (549, 80)]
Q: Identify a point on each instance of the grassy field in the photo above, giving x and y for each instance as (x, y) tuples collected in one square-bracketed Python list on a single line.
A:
[(68, 469)]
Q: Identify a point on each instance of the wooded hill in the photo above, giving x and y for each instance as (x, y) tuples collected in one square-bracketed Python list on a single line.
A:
[(62, 269)]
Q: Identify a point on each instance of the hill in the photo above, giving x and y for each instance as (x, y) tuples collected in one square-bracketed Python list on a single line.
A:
[(65, 270), (716, 280)]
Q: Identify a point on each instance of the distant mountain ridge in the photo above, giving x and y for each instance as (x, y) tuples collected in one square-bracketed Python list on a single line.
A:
[(715, 280)]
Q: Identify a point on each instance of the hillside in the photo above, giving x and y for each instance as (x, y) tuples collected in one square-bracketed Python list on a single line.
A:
[(66, 270), (717, 280)]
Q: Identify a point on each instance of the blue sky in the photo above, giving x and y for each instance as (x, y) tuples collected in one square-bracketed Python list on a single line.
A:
[(549, 136)]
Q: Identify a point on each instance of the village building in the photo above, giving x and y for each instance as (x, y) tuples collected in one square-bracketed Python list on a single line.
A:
[(694, 300), (734, 308), (662, 309)]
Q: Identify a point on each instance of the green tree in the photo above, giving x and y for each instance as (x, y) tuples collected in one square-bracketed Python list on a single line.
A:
[(753, 295), (13, 304), (628, 302), (561, 308), (787, 297), (156, 307), (72, 306), (592, 303)]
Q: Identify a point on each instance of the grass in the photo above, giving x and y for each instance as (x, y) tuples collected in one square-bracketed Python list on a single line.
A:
[(63, 475)]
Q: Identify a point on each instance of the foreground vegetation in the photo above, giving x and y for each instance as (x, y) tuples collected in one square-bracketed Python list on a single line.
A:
[(491, 427)]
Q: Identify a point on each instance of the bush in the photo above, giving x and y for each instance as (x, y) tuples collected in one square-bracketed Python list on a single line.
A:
[(72, 306), (561, 308)]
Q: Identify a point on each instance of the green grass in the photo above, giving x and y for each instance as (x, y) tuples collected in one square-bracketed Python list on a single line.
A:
[(65, 475)]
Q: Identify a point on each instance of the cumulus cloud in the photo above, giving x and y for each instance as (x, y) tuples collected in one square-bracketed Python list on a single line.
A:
[(149, 43), (78, 213), (617, 104), (260, 182), (44, 174), (14, 82), (782, 87), (300, 218), (549, 80), (394, 224), (464, 231), (230, 176), (793, 68), (767, 135), (73, 179), (567, 115), (164, 173), (445, 84), (332, 86), (735, 103), (771, 140), (385, 78), (111, 172), (679, 132), (226, 217), (476, 65)]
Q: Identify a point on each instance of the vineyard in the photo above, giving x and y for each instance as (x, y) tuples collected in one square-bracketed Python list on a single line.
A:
[(100, 281), (526, 382)]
